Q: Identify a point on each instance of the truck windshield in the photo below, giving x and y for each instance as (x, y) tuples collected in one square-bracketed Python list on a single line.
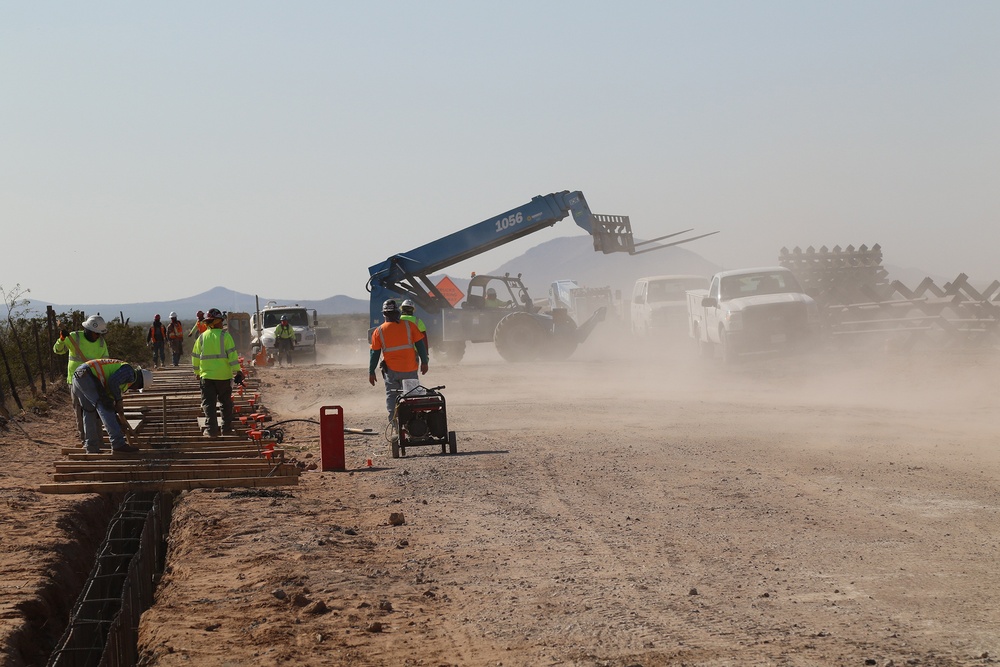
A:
[(296, 318), (672, 290), (750, 284)]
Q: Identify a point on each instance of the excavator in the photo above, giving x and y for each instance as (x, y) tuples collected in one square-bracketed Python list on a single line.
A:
[(520, 331)]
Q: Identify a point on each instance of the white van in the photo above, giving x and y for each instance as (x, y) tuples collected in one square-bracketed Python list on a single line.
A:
[(659, 304)]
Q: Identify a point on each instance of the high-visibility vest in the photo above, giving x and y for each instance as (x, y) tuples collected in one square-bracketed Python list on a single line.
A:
[(284, 332), (420, 325), (214, 355), (80, 350), (200, 326), (396, 340), (175, 331), (103, 369), (157, 332)]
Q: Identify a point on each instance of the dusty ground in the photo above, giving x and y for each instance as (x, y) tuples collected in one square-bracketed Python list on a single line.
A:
[(610, 510)]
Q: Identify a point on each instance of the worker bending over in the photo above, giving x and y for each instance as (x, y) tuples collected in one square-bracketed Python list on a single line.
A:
[(82, 346), (98, 386)]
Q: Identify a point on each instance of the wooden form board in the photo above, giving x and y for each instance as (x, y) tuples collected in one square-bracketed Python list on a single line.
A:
[(166, 485)]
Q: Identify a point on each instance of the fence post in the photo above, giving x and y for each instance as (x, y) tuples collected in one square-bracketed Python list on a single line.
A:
[(38, 352), (10, 378)]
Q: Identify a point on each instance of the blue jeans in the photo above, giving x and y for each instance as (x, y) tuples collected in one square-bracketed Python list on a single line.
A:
[(87, 392), (159, 354), (394, 387)]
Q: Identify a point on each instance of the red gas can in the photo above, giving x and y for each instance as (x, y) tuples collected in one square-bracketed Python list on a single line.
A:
[(331, 437)]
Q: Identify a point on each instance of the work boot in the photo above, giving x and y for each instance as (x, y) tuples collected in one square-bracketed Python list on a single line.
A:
[(228, 431), (214, 433)]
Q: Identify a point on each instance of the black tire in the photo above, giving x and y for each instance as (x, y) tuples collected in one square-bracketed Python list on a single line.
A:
[(518, 337), (729, 352), (450, 351), (394, 447), (452, 443), (562, 343)]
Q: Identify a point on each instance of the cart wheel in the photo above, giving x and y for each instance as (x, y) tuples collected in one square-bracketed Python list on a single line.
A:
[(452, 443), (394, 446)]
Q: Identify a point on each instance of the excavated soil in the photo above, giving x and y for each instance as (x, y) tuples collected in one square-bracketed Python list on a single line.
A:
[(618, 509)]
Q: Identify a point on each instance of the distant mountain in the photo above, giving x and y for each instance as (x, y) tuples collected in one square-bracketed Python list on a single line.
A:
[(217, 297)]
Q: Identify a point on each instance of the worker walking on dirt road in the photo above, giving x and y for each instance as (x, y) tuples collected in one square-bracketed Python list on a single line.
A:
[(409, 310), (216, 363), (200, 326), (82, 346), (98, 386), (394, 340), (156, 338), (175, 336), (284, 338)]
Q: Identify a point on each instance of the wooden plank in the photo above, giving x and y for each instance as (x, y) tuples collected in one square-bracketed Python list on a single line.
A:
[(183, 464), (169, 485), (282, 470), (154, 454)]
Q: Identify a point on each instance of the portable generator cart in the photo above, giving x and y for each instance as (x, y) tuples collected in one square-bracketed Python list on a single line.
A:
[(422, 420)]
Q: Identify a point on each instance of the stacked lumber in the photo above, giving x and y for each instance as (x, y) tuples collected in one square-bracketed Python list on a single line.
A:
[(174, 452)]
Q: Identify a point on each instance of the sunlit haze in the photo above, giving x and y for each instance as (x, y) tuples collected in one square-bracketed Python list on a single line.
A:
[(152, 151)]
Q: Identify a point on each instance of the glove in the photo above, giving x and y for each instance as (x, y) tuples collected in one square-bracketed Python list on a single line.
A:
[(239, 377), (63, 333), (371, 379), (423, 369)]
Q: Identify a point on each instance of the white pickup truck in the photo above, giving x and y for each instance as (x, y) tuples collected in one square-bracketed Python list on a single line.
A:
[(752, 310)]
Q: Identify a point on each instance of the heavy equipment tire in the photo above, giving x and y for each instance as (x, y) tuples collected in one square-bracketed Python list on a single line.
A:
[(518, 337), (394, 448), (452, 443), (729, 352), (562, 341), (450, 351)]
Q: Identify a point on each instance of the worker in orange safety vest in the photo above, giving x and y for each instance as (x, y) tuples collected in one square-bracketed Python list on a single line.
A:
[(394, 340), (175, 336)]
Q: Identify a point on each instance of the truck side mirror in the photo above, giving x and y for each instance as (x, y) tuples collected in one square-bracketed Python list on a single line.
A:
[(709, 302)]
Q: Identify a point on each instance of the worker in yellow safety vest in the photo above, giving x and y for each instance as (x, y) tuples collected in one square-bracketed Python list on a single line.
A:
[(82, 346), (98, 386), (216, 363), (284, 340)]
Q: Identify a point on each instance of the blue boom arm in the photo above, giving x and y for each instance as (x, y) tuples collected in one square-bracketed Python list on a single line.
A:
[(406, 275)]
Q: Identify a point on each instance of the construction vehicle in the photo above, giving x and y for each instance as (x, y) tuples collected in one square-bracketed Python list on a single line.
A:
[(265, 321), (581, 302), (749, 311), (659, 306), (523, 333)]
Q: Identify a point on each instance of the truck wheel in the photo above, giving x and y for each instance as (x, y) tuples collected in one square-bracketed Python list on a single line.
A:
[(705, 348), (451, 351), (518, 337), (729, 352)]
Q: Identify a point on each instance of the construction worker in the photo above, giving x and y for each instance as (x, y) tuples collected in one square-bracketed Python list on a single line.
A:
[(199, 326), (394, 340), (216, 363), (175, 336), (284, 339), (82, 346), (493, 302), (409, 310), (98, 386), (156, 338)]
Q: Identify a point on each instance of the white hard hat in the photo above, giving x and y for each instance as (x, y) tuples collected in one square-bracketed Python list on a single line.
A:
[(96, 324), (173, 315), (408, 305), (147, 378)]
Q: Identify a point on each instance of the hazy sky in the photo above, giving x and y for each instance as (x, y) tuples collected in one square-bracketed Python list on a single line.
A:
[(151, 151)]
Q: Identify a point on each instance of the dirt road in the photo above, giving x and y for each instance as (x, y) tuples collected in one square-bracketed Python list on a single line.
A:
[(613, 510)]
